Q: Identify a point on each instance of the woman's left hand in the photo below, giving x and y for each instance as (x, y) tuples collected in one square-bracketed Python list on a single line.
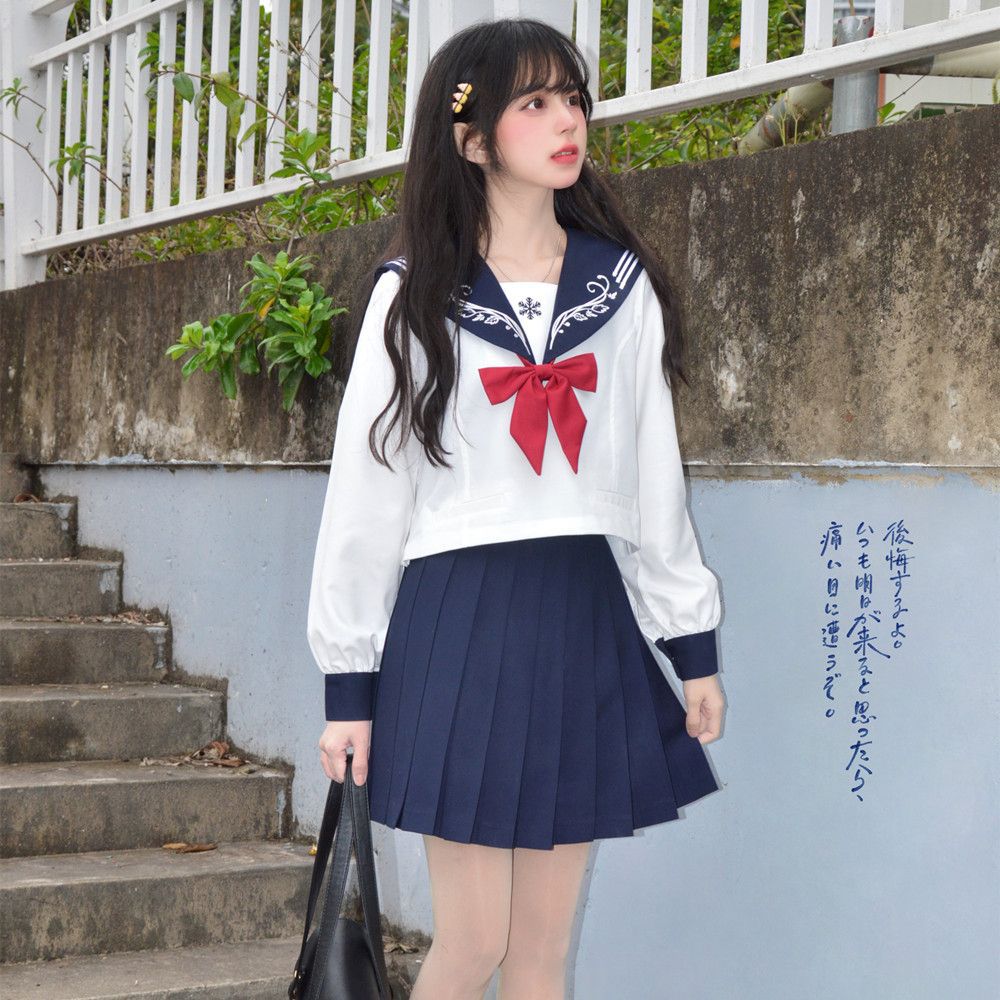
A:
[(705, 705)]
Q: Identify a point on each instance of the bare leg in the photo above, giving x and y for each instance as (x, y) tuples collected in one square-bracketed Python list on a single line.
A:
[(470, 895), (545, 889)]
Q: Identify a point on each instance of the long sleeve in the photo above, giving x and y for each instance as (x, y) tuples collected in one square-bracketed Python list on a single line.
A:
[(675, 596), (365, 520)]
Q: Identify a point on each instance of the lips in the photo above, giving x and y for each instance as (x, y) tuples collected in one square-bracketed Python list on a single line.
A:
[(566, 153)]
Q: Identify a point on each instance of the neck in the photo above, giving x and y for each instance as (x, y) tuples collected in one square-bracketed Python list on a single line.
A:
[(523, 230)]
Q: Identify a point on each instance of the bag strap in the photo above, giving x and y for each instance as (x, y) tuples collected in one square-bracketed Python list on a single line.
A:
[(354, 830), (340, 865), (361, 823), (328, 827)]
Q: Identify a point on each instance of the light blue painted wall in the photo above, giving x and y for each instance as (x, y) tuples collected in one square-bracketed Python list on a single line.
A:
[(782, 885)]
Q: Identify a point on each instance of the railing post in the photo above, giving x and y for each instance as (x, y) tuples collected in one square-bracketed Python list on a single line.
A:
[(21, 35), (447, 17)]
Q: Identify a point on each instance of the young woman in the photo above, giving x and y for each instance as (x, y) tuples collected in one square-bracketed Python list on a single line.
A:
[(486, 587)]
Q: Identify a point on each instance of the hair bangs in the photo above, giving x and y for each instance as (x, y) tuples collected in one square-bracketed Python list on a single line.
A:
[(544, 68)]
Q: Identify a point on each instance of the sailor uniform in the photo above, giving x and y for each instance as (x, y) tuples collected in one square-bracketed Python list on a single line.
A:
[(493, 619)]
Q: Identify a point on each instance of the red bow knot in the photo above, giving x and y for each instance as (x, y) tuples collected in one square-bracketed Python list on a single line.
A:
[(529, 421)]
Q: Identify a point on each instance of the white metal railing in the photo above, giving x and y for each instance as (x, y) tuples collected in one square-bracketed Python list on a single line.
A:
[(43, 212)]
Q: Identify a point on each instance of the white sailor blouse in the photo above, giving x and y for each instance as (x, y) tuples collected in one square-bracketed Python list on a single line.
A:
[(610, 463)]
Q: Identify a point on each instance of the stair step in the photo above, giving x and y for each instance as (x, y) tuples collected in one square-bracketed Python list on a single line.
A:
[(249, 970), (30, 530), (114, 901), (82, 652), (74, 806), (56, 722), (41, 587)]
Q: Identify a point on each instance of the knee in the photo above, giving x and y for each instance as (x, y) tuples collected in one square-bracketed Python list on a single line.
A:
[(474, 956), (538, 951)]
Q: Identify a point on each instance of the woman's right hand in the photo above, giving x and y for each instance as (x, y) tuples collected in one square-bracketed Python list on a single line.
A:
[(333, 744)]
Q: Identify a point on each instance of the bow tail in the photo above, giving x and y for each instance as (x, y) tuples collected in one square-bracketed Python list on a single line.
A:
[(529, 422), (569, 421)]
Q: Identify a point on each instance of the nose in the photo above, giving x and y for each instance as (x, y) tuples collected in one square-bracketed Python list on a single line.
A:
[(568, 118)]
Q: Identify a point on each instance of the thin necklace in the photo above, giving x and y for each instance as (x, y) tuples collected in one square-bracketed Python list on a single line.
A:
[(547, 273)]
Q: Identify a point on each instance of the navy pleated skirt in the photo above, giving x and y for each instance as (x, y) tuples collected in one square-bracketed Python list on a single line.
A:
[(518, 704)]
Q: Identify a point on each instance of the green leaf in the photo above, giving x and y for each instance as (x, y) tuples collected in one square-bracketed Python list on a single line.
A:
[(290, 388), (249, 362), (191, 365), (193, 333), (199, 98), (228, 377), (239, 324), (184, 86), (317, 365)]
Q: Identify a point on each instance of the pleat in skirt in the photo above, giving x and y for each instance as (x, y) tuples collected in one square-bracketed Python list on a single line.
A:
[(517, 703)]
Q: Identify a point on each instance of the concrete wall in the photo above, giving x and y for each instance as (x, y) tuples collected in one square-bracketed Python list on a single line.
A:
[(840, 297), (842, 302)]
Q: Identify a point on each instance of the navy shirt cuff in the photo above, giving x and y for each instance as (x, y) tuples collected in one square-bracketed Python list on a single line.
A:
[(692, 655), (349, 695)]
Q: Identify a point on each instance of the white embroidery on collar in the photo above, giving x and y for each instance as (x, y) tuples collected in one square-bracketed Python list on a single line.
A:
[(585, 310), (491, 317)]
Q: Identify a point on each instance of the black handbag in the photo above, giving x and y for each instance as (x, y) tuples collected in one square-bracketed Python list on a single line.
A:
[(343, 959)]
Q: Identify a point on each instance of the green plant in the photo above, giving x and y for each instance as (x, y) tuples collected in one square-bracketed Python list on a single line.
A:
[(888, 112), (281, 314)]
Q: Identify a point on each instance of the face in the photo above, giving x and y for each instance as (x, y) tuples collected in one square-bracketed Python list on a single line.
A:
[(532, 129)]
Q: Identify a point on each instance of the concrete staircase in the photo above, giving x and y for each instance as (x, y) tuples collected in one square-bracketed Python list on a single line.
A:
[(103, 760)]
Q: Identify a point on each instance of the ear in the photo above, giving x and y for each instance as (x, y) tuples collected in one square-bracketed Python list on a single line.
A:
[(474, 151)]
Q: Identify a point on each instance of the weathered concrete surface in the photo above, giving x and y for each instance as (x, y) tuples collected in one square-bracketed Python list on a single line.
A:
[(57, 905), (38, 530), (77, 651), (842, 297), (31, 588), (43, 723), (117, 805), (841, 300)]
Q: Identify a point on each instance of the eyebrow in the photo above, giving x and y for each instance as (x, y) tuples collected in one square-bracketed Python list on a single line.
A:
[(568, 89)]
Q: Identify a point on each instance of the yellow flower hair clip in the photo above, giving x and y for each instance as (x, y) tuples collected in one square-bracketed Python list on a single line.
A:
[(461, 96)]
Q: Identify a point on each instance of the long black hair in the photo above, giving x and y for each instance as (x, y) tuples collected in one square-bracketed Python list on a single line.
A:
[(443, 210)]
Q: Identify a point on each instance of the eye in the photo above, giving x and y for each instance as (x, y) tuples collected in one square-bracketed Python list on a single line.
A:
[(575, 96)]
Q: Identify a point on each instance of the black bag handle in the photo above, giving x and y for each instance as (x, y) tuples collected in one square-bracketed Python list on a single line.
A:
[(340, 866), (352, 825), (365, 852)]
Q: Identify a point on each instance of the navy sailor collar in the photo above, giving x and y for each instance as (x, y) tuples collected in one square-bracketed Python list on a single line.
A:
[(597, 274)]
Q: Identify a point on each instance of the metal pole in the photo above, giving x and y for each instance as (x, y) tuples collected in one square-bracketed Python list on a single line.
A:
[(855, 95)]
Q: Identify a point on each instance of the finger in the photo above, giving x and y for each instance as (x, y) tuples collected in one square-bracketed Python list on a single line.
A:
[(711, 726), (340, 763), (335, 762), (694, 718), (359, 769), (327, 760)]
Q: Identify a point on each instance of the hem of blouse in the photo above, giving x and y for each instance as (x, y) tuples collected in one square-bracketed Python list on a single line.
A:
[(457, 536)]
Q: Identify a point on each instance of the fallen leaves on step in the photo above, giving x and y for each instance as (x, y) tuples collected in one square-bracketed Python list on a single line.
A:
[(215, 753), (183, 847), (389, 943), (129, 616)]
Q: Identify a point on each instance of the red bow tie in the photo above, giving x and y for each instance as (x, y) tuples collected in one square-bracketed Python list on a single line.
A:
[(529, 421)]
